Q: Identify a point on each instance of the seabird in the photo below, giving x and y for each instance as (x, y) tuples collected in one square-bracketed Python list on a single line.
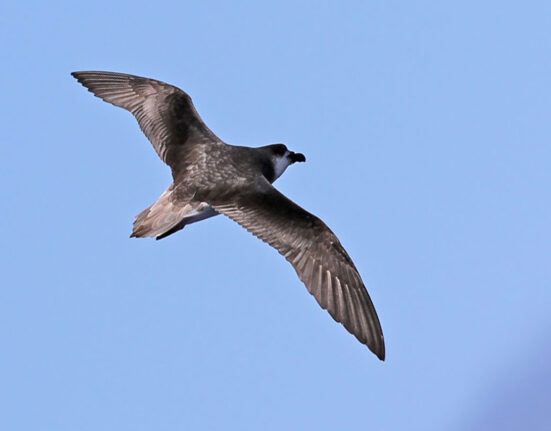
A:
[(212, 177)]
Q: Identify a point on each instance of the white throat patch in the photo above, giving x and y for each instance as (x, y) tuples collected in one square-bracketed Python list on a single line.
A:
[(280, 164)]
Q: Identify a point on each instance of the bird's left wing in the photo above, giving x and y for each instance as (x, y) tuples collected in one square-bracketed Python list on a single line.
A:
[(165, 113), (314, 251)]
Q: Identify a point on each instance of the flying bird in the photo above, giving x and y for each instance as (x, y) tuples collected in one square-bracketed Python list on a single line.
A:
[(212, 177)]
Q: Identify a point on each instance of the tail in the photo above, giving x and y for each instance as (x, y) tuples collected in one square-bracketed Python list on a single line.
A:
[(160, 218)]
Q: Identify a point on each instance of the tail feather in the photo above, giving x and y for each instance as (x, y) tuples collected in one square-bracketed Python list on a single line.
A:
[(167, 216), (160, 217)]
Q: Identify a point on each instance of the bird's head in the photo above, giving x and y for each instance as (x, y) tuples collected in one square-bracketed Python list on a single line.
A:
[(281, 158)]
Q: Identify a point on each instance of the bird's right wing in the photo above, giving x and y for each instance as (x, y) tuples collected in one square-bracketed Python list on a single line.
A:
[(314, 251), (165, 113)]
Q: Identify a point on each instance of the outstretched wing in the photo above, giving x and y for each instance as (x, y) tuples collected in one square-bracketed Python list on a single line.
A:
[(314, 251), (165, 113)]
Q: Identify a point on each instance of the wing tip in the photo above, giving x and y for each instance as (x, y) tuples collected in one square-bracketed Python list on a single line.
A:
[(379, 352), (376, 343), (76, 75), (80, 76)]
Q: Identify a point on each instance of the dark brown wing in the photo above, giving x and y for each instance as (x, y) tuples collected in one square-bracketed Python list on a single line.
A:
[(314, 251), (165, 113)]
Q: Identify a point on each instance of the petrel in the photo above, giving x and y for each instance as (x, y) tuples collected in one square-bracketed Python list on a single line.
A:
[(212, 177)]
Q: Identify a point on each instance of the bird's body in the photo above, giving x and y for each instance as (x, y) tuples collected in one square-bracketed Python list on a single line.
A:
[(214, 169), (212, 177)]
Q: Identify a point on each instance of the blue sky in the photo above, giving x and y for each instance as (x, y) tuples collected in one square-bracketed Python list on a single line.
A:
[(426, 129)]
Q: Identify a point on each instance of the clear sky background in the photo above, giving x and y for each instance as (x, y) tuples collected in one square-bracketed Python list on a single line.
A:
[(426, 129)]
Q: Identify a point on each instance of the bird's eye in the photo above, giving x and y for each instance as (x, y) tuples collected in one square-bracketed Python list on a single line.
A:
[(280, 150)]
